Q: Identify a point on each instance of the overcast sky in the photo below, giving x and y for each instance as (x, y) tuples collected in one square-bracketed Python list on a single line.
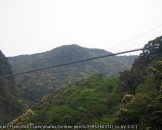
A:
[(31, 26)]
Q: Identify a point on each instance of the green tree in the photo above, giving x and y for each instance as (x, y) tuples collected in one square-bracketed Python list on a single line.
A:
[(150, 53), (157, 71), (152, 115), (127, 98), (129, 80)]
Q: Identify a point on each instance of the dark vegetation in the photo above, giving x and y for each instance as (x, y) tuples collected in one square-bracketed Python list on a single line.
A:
[(135, 97), (36, 85), (10, 104)]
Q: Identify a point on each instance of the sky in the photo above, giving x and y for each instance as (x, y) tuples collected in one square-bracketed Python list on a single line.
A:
[(32, 26)]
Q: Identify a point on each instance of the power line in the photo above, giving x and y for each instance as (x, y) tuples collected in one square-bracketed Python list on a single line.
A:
[(136, 37), (131, 39), (69, 63)]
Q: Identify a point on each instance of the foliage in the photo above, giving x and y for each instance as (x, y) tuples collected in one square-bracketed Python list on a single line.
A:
[(152, 114), (133, 98), (10, 104), (130, 79), (36, 85), (145, 107), (89, 101), (127, 98)]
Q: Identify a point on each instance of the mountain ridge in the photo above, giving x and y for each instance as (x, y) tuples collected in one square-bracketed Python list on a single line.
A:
[(62, 46), (54, 78), (132, 101)]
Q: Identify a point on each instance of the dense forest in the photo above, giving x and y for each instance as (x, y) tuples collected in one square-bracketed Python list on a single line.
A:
[(36, 85), (10, 104), (134, 98)]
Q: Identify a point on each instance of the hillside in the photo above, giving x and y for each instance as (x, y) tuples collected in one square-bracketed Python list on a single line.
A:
[(87, 102), (38, 84), (133, 100), (10, 105)]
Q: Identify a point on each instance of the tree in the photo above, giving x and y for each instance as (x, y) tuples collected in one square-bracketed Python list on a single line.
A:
[(157, 71), (151, 52), (134, 110), (129, 80), (152, 115), (126, 99)]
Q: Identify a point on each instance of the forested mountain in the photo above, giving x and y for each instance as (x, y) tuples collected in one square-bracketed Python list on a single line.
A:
[(10, 105), (133, 99), (38, 84)]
